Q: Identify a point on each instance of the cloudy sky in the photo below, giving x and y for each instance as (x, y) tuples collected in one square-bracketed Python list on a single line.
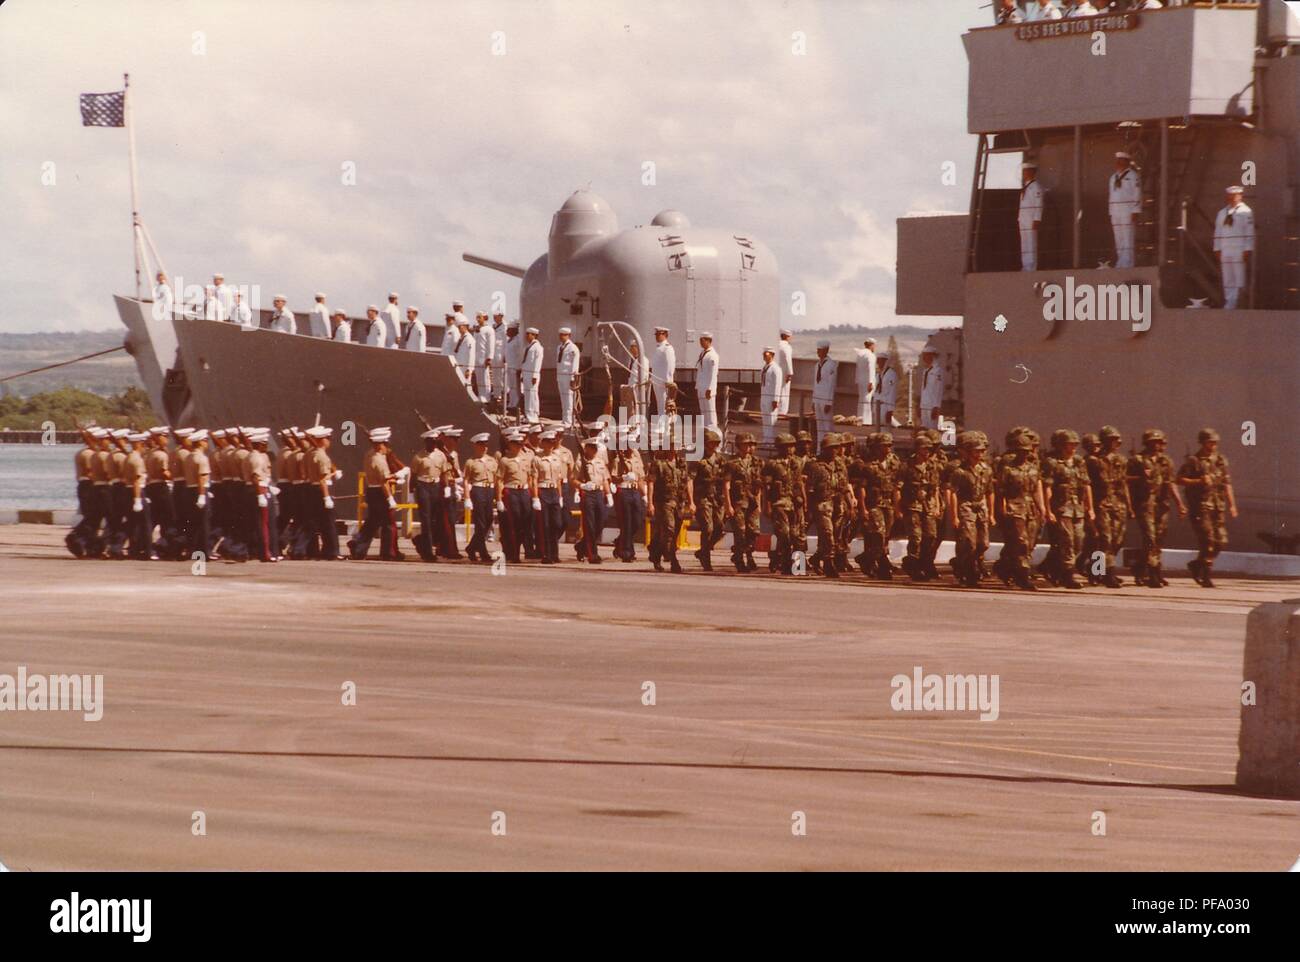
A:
[(246, 114)]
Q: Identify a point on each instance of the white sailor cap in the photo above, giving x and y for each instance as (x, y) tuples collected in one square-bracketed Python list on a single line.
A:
[(481, 315), (824, 343), (392, 294), (706, 335), (159, 430), (320, 295), (462, 321), (182, 432), (259, 437), (532, 330), (1029, 165), (432, 433), (380, 434), (566, 330), (1123, 155), (480, 438), (1234, 189), (217, 274), (498, 313), (786, 332), (457, 303), (412, 308), (768, 349), (512, 437), (537, 429), (550, 435), (199, 435), (594, 425), (219, 433), (882, 355), (98, 432), (372, 307), (510, 324), (320, 431), (453, 432), (869, 340), (279, 297), (593, 441)]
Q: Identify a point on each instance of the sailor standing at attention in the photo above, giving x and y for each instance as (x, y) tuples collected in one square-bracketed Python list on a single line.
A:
[(824, 376), (531, 374), (224, 294), (282, 319), (1031, 214), (1042, 10), (319, 318), (512, 355), (450, 336), (770, 380), (866, 379), (240, 313), (342, 327), (932, 380), (638, 378), (393, 320), (1125, 189), (785, 361), (485, 348), (706, 380), (1081, 9), (886, 390), (466, 353), (1234, 243), (498, 358), (164, 301), (663, 369), (415, 338), (567, 361), (212, 309), (377, 331)]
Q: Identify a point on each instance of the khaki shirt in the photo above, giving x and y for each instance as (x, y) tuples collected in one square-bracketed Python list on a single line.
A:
[(595, 471), (548, 470), (258, 468), (99, 467), (628, 468), (481, 470), (116, 464), (319, 466), (157, 464), (428, 466), (197, 466), (237, 466), (298, 464), (514, 471), (176, 463), (133, 468), (375, 468), (215, 457), (284, 464), (82, 463)]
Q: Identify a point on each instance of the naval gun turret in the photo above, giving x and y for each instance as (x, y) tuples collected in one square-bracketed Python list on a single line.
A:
[(666, 273)]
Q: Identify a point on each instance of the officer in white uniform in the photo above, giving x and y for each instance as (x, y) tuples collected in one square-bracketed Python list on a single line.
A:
[(1042, 10), (485, 346), (240, 313), (450, 336), (1081, 9), (785, 361), (824, 389), (376, 328), (466, 356), (319, 317), (164, 301), (282, 320), (865, 378), (498, 374), (512, 354), (224, 294), (1031, 215), (212, 309), (638, 378), (1234, 243), (458, 309), (770, 380), (531, 375), (342, 327), (393, 320), (415, 334), (886, 390), (932, 379), (663, 369), (706, 380), (567, 360), (1125, 188)]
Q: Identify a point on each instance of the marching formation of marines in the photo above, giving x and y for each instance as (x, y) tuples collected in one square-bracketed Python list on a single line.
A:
[(184, 493)]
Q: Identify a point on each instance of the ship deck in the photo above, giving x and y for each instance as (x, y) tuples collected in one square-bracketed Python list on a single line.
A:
[(522, 694)]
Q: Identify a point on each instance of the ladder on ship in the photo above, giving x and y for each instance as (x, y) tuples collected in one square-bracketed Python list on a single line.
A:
[(1186, 221)]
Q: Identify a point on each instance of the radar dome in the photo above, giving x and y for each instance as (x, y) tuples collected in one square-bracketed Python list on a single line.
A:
[(581, 219)]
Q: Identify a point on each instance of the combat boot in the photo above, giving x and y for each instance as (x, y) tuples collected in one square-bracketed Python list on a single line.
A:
[(1068, 580), (1153, 579), (673, 565), (706, 563), (884, 570), (1112, 580), (1206, 580), (1023, 581), (1160, 574), (749, 559)]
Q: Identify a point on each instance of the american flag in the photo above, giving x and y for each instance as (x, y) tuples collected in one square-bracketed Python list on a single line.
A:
[(103, 110)]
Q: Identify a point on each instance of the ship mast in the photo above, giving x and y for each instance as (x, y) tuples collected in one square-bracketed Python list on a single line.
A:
[(142, 244)]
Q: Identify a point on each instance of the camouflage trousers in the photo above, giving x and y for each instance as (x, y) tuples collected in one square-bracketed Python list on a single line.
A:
[(876, 526), (663, 531), (1016, 546), (799, 527), (744, 525), (1033, 528), (972, 538), (1210, 527), (1067, 541), (783, 535), (823, 519), (922, 535), (845, 523), (1112, 519), (709, 522), (1153, 522)]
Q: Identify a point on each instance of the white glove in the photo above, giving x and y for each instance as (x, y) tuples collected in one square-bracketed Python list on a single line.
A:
[(261, 501), (446, 490), (402, 475), (609, 500), (338, 475), (537, 504), (588, 486), (169, 485), (392, 503), (137, 505), (329, 504), (274, 490), (201, 501), (501, 505)]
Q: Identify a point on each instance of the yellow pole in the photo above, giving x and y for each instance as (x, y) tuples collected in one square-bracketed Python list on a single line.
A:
[(361, 494)]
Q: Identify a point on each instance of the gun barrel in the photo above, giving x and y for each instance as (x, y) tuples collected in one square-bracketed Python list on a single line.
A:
[(493, 265)]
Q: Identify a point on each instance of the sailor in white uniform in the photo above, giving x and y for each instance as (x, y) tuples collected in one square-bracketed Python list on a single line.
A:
[(886, 390), (785, 361), (1042, 10), (282, 319), (512, 355), (415, 334), (824, 375), (240, 312), (1125, 189), (224, 294), (164, 300), (1031, 215), (932, 380), (342, 327), (212, 309), (531, 374), (485, 346), (638, 378), (865, 378), (567, 361), (376, 328), (663, 369), (1234, 243), (1081, 9), (466, 357), (498, 364), (393, 320), (770, 380), (458, 309), (319, 318), (450, 335), (706, 380)]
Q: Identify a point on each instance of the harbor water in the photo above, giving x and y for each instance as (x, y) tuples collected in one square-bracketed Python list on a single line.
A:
[(37, 476)]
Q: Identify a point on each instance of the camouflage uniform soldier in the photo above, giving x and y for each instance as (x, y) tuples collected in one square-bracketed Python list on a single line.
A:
[(1091, 444), (1019, 493), (846, 518), (1108, 473), (819, 481), (1210, 501), (708, 476), (780, 478), (670, 495), (880, 499), (922, 509), (1067, 492), (741, 491), (969, 484), (803, 455), (1151, 485)]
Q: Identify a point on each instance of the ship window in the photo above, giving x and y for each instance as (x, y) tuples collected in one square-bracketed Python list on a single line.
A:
[(595, 307), (668, 240), (746, 261), (575, 308), (677, 261), (743, 241)]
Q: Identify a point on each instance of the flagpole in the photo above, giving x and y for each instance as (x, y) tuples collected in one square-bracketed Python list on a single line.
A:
[(135, 190)]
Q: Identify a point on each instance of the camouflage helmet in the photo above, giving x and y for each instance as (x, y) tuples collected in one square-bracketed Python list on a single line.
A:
[(1022, 442), (744, 437), (1064, 436), (1207, 434), (1109, 431), (1151, 435), (712, 434), (884, 437), (828, 441), (1014, 433), (803, 436), (923, 442), (784, 440), (935, 437), (1091, 440), (1034, 439), (971, 439)]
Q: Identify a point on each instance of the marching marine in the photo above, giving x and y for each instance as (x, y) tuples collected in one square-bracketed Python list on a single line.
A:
[(1108, 475), (708, 476), (969, 486), (669, 482), (1151, 483), (1210, 501), (1067, 496), (741, 492)]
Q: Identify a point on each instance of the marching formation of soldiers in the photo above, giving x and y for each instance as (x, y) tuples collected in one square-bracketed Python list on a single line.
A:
[(178, 493)]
